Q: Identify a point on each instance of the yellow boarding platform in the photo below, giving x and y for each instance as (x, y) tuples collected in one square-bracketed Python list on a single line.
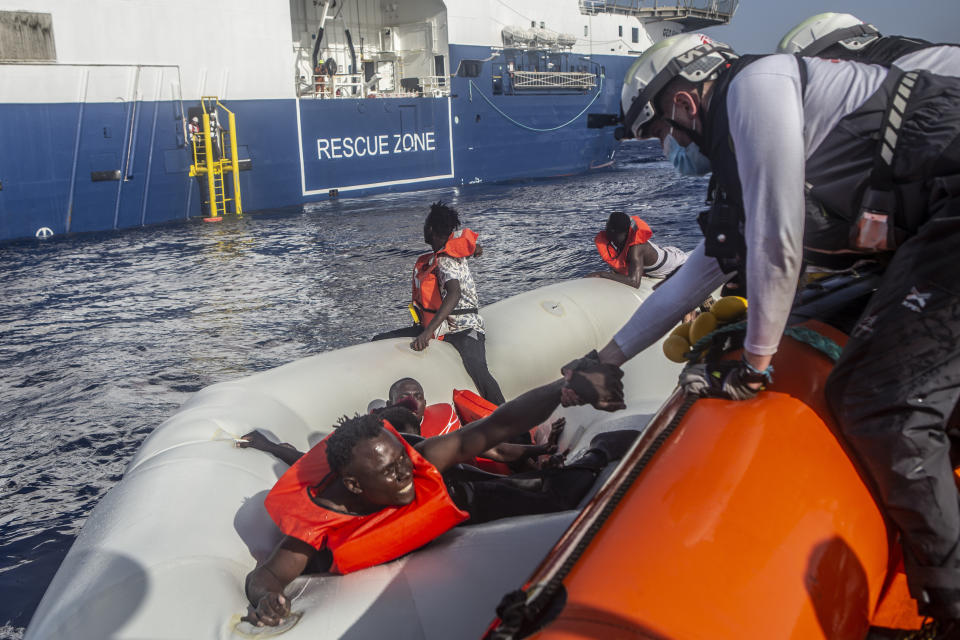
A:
[(215, 156)]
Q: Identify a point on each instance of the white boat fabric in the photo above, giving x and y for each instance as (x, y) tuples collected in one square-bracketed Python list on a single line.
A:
[(165, 553)]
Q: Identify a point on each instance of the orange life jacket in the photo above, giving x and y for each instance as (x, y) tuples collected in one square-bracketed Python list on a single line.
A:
[(358, 542), (471, 406), (438, 419), (638, 233), (426, 287)]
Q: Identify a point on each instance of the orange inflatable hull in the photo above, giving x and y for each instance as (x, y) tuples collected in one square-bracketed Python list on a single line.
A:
[(750, 521)]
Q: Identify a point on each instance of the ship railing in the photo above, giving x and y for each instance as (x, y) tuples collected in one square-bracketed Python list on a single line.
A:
[(354, 86), (578, 80), (698, 13), (345, 85), (435, 86)]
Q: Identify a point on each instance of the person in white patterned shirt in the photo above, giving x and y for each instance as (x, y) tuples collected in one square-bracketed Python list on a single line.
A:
[(460, 306)]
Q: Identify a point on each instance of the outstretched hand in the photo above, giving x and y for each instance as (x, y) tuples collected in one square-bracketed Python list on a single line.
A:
[(588, 381), (270, 611)]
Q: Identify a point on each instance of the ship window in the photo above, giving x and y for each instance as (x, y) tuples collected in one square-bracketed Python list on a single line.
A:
[(585, 32), (620, 31), (25, 35), (635, 36)]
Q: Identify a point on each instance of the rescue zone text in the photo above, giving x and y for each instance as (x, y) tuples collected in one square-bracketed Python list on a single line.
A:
[(381, 145)]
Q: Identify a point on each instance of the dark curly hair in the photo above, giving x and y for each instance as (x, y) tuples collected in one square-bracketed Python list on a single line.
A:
[(350, 432), (442, 219)]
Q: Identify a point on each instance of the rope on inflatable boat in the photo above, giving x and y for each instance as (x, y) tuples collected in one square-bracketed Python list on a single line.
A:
[(535, 129), (515, 611), (821, 343)]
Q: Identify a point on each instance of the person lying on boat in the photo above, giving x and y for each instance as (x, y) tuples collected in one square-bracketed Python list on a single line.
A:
[(445, 301), (504, 459), (625, 245), (342, 504), (440, 418)]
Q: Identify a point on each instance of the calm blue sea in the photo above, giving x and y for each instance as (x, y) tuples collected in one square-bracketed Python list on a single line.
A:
[(103, 336)]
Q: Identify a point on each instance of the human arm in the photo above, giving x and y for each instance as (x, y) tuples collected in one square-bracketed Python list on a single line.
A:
[(635, 264), (767, 130), (265, 584), (449, 303), (256, 440), (665, 307), (511, 452), (596, 383)]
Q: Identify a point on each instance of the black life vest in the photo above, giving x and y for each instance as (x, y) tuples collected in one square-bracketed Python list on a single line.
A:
[(883, 51), (845, 172)]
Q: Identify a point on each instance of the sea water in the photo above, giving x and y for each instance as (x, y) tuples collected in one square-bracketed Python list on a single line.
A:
[(103, 336)]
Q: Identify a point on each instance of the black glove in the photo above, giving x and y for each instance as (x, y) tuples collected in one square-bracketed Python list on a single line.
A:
[(589, 381), (729, 379)]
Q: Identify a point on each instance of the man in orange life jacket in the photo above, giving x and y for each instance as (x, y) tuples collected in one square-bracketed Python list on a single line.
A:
[(446, 298), (343, 502), (626, 246)]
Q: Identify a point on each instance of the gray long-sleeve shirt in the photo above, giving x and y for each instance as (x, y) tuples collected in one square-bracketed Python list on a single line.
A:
[(774, 128)]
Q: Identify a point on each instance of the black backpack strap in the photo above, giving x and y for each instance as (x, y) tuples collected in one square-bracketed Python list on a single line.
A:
[(802, 68), (876, 227)]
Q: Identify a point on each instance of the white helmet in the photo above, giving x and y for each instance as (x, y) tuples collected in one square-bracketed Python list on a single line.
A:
[(692, 56), (816, 33)]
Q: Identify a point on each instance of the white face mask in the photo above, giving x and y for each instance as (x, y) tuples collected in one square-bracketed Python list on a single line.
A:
[(688, 160)]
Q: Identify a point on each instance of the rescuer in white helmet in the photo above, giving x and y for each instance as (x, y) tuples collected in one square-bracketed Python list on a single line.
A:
[(876, 151), (844, 36)]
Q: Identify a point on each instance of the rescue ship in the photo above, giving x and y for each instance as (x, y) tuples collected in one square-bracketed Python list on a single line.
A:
[(116, 114)]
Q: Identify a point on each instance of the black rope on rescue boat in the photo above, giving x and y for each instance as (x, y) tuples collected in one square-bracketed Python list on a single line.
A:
[(518, 615)]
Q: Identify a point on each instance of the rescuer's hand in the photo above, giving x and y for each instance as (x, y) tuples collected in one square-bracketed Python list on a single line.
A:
[(270, 610), (729, 379), (421, 341), (588, 381)]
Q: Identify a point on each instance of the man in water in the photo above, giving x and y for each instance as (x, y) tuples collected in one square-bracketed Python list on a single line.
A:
[(363, 483), (626, 246)]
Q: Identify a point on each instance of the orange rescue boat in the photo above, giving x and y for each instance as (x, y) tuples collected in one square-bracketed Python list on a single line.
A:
[(727, 520)]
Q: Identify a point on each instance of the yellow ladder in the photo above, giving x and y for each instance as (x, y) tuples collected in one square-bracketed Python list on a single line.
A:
[(214, 158)]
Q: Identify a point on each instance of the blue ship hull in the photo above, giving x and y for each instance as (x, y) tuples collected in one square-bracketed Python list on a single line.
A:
[(89, 167)]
